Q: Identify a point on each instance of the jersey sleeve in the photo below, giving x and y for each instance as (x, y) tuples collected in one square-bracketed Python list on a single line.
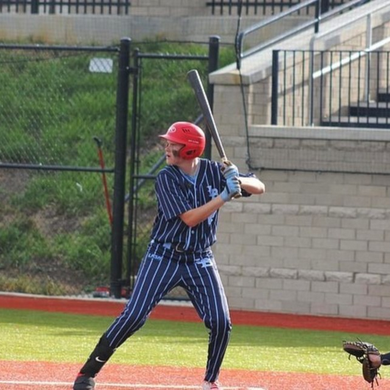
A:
[(171, 195)]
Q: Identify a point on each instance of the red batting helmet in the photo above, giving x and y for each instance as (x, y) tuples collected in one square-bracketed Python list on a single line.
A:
[(190, 136)]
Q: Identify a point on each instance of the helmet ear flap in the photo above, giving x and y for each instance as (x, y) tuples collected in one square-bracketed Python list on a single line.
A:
[(188, 153), (190, 136)]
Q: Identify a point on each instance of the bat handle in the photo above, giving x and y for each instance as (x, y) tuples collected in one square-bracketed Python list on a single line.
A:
[(238, 195), (228, 162)]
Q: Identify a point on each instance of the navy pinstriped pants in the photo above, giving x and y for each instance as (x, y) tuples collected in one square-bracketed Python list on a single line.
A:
[(161, 270)]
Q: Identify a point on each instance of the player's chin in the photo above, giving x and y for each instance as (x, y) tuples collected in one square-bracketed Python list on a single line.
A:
[(169, 160)]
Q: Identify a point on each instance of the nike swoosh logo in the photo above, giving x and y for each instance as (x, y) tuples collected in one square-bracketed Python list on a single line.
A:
[(99, 360)]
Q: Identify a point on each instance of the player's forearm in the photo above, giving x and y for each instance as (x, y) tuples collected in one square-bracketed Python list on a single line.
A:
[(195, 216), (252, 185)]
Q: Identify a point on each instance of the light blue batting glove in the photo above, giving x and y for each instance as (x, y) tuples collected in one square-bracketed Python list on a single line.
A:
[(229, 170), (232, 189)]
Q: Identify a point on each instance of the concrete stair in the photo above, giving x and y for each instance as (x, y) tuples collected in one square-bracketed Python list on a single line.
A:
[(373, 114)]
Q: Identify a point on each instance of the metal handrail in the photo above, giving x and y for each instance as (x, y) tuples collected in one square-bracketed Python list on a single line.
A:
[(369, 48), (337, 28), (241, 54), (346, 60), (240, 37)]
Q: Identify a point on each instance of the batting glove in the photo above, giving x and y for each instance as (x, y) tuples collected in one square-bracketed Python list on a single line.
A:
[(229, 170), (231, 190)]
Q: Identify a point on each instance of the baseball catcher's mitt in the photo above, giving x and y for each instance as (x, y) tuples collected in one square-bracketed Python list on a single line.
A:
[(368, 355)]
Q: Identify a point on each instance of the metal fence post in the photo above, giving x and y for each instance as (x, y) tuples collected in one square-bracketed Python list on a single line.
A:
[(213, 65), (131, 231), (275, 81), (325, 6), (318, 10), (34, 6), (122, 103)]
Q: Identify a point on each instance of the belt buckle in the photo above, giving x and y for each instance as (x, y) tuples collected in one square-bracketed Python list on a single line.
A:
[(177, 249)]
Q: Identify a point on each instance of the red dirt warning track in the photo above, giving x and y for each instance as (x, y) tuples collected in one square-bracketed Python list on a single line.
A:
[(55, 376), (108, 307)]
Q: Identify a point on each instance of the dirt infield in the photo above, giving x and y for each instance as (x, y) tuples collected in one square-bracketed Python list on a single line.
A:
[(55, 376), (44, 376)]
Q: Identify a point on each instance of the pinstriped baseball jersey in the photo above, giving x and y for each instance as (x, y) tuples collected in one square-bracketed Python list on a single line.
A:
[(176, 194)]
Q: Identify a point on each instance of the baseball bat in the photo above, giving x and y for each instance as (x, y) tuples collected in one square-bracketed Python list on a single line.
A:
[(200, 94), (197, 86)]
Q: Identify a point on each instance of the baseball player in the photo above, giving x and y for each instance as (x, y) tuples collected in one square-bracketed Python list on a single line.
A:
[(190, 191)]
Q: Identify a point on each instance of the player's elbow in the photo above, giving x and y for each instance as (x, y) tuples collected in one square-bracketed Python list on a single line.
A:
[(260, 189), (191, 224), (253, 186)]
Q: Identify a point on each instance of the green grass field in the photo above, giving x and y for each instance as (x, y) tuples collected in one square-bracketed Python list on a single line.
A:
[(55, 337)]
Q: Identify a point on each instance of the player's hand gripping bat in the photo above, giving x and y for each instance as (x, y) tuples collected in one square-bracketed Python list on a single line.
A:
[(197, 86)]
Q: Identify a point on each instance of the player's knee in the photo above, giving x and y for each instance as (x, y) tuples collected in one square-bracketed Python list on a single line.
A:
[(125, 325), (220, 325), (135, 322)]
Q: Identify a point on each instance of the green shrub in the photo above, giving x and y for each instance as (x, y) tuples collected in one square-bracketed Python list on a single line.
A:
[(21, 243)]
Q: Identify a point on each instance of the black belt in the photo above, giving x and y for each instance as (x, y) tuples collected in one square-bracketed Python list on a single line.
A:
[(179, 247)]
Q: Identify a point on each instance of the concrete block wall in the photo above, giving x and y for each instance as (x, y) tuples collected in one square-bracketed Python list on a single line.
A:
[(109, 29), (181, 20), (164, 8), (315, 243)]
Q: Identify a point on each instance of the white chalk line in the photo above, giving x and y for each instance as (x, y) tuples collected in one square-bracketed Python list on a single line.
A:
[(121, 385)]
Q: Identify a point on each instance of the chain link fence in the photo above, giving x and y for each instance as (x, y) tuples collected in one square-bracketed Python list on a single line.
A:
[(63, 219), (57, 110)]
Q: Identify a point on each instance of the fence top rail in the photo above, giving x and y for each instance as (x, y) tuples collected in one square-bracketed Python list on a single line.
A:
[(170, 56), (67, 168), (61, 48)]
